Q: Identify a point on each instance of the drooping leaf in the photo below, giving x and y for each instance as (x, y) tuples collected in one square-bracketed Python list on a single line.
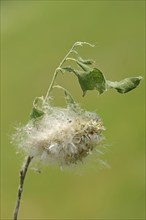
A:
[(81, 43), (70, 102), (91, 80), (88, 61), (84, 67), (36, 113), (69, 98), (37, 108), (68, 69), (125, 85)]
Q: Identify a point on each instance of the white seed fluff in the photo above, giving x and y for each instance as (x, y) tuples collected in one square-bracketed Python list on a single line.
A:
[(61, 135)]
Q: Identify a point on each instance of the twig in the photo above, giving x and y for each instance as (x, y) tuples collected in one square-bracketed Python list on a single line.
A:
[(78, 43), (22, 174)]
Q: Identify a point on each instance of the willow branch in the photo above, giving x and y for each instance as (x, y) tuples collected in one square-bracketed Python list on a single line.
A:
[(22, 174), (78, 43)]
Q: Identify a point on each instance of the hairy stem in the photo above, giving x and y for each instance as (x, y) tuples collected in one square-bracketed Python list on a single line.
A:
[(23, 172)]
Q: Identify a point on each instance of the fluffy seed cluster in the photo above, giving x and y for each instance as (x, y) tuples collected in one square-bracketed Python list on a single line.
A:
[(61, 135)]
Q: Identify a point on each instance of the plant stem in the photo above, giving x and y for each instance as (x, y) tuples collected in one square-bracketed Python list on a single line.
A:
[(59, 67), (23, 172)]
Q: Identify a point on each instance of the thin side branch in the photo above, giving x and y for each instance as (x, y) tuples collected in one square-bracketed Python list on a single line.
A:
[(22, 174), (78, 43)]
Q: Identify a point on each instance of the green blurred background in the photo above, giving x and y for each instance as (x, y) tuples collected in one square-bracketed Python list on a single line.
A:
[(35, 37)]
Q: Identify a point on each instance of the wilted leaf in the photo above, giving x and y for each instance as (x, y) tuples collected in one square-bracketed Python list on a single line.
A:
[(88, 61), (84, 66), (125, 85), (71, 103), (68, 69), (36, 113), (91, 80), (36, 110), (68, 97)]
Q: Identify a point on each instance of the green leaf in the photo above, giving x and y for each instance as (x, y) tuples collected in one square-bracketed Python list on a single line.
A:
[(68, 97), (125, 85), (88, 61), (70, 102), (91, 80), (37, 108), (68, 69), (36, 113), (84, 66)]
